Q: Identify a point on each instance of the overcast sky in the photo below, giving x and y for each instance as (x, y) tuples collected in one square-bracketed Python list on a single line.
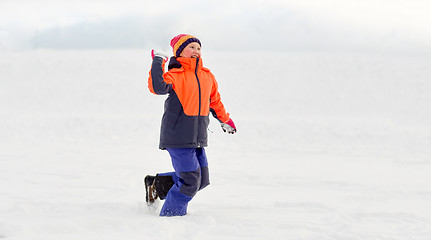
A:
[(276, 25)]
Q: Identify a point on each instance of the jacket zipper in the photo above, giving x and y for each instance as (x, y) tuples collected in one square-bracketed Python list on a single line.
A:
[(199, 87)]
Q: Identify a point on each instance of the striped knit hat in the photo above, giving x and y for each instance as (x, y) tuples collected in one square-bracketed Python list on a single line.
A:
[(178, 43)]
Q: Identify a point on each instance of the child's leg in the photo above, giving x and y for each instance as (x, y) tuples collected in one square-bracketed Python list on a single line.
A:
[(187, 169), (203, 162)]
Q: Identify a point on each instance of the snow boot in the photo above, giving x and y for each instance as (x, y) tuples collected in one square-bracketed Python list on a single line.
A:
[(150, 188), (163, 183)]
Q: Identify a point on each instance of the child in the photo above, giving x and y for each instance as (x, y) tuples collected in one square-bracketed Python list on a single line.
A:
[(193, 94)]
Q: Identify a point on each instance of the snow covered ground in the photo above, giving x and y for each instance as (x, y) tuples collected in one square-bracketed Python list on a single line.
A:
[(329, 146)]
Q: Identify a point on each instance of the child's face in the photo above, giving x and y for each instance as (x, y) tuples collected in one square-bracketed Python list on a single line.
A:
[(193, 50)]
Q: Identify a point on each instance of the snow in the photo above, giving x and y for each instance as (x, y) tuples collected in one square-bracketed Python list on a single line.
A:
[(329, 146)]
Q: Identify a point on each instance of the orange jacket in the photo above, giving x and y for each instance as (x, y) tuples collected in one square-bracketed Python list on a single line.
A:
[(193, 93)]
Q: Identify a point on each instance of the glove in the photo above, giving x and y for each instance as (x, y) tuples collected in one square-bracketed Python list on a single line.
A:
[(159, 53), (229, 127)]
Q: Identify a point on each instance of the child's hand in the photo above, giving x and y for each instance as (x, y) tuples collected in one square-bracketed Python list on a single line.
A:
[(159, 53), (229, 127)]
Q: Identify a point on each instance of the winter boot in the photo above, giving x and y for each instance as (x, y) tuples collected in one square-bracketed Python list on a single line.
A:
[(163, 183), (150, 188)]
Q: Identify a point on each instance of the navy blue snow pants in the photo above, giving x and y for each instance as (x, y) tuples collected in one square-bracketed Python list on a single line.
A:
[(190, 176)]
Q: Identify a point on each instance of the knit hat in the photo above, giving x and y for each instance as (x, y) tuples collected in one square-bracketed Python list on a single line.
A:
[(178, 43)]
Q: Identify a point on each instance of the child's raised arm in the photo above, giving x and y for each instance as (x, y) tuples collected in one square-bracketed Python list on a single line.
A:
[(156, 82)]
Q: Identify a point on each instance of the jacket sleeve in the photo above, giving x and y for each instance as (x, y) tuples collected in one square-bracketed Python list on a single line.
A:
[(157, 84), (216, 106)]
